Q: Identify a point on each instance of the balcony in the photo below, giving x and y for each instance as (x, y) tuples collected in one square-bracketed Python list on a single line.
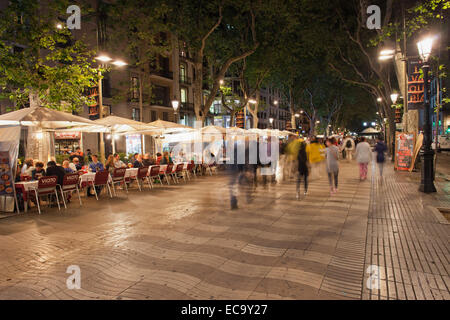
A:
[(187, 107), (162, 73)]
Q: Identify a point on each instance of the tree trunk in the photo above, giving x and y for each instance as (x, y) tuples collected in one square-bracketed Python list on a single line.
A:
[(198, 92), (232, 116), (34, 99), (293, 121), (291, 109)]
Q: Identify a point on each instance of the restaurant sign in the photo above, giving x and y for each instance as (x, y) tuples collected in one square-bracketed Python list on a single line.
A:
[(76, 135), (415, 85), (404, 150)]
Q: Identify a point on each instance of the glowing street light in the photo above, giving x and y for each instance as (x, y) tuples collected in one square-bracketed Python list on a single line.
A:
[(103, 58), (365, 124), (379, 99), (297, 115), (119, 63), (221, 81), (275, 102), (373, 124), (386, 54), (425, 47), (394, 97)]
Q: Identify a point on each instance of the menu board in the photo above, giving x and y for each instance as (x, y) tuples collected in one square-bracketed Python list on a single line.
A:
[(6, 179), (404, 150)]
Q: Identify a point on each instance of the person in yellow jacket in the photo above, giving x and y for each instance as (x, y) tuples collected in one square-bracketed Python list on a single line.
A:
[(291, 152), (315, 152)]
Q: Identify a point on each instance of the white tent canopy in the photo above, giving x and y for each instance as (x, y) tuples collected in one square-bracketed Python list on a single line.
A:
[(162, 126), (370, 131), (114, 124), (44, 118)]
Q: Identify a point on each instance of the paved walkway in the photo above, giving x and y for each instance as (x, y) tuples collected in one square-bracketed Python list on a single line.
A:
[(183, 242)]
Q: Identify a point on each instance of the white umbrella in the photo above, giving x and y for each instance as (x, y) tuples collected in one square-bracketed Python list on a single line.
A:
[(370, 131), (44, 118), (213, 130), (162, 126)]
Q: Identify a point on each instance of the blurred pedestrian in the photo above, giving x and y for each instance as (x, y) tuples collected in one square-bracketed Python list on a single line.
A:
[(332, 156), (363, 157), (303, 169), (315, 156), (380, 148), (348, 145)]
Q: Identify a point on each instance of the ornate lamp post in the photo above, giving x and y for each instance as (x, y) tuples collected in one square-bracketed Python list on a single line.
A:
[(105, 60), (426, 182)]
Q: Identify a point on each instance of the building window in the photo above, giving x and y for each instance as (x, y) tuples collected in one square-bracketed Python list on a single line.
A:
[(153, 116), (134, 88), (183, 73), (165, 116), (136, 114), (183, 95)]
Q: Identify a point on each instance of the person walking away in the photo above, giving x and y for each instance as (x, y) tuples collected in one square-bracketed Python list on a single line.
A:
[(315, 157), (303, 169), (349, 146), (380, 149), (332, 156), (363, 157)]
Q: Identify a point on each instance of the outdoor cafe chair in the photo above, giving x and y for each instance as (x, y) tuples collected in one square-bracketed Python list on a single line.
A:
[(141, 176), (118, 177), (210, 166), (167, 172), (187, 169), (178, 170), (46, 187), (70, 184), (154, 174), (101, 179)]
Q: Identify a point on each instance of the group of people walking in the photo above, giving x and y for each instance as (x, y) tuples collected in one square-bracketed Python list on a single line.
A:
[(311, 155)]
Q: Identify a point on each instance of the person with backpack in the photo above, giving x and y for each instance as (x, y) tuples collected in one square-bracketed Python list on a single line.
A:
[(348, 147)]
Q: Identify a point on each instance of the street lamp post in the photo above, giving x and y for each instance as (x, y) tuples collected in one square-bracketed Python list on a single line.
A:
[(426, 182), (271, 122), (104, 59), (394, 97)]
